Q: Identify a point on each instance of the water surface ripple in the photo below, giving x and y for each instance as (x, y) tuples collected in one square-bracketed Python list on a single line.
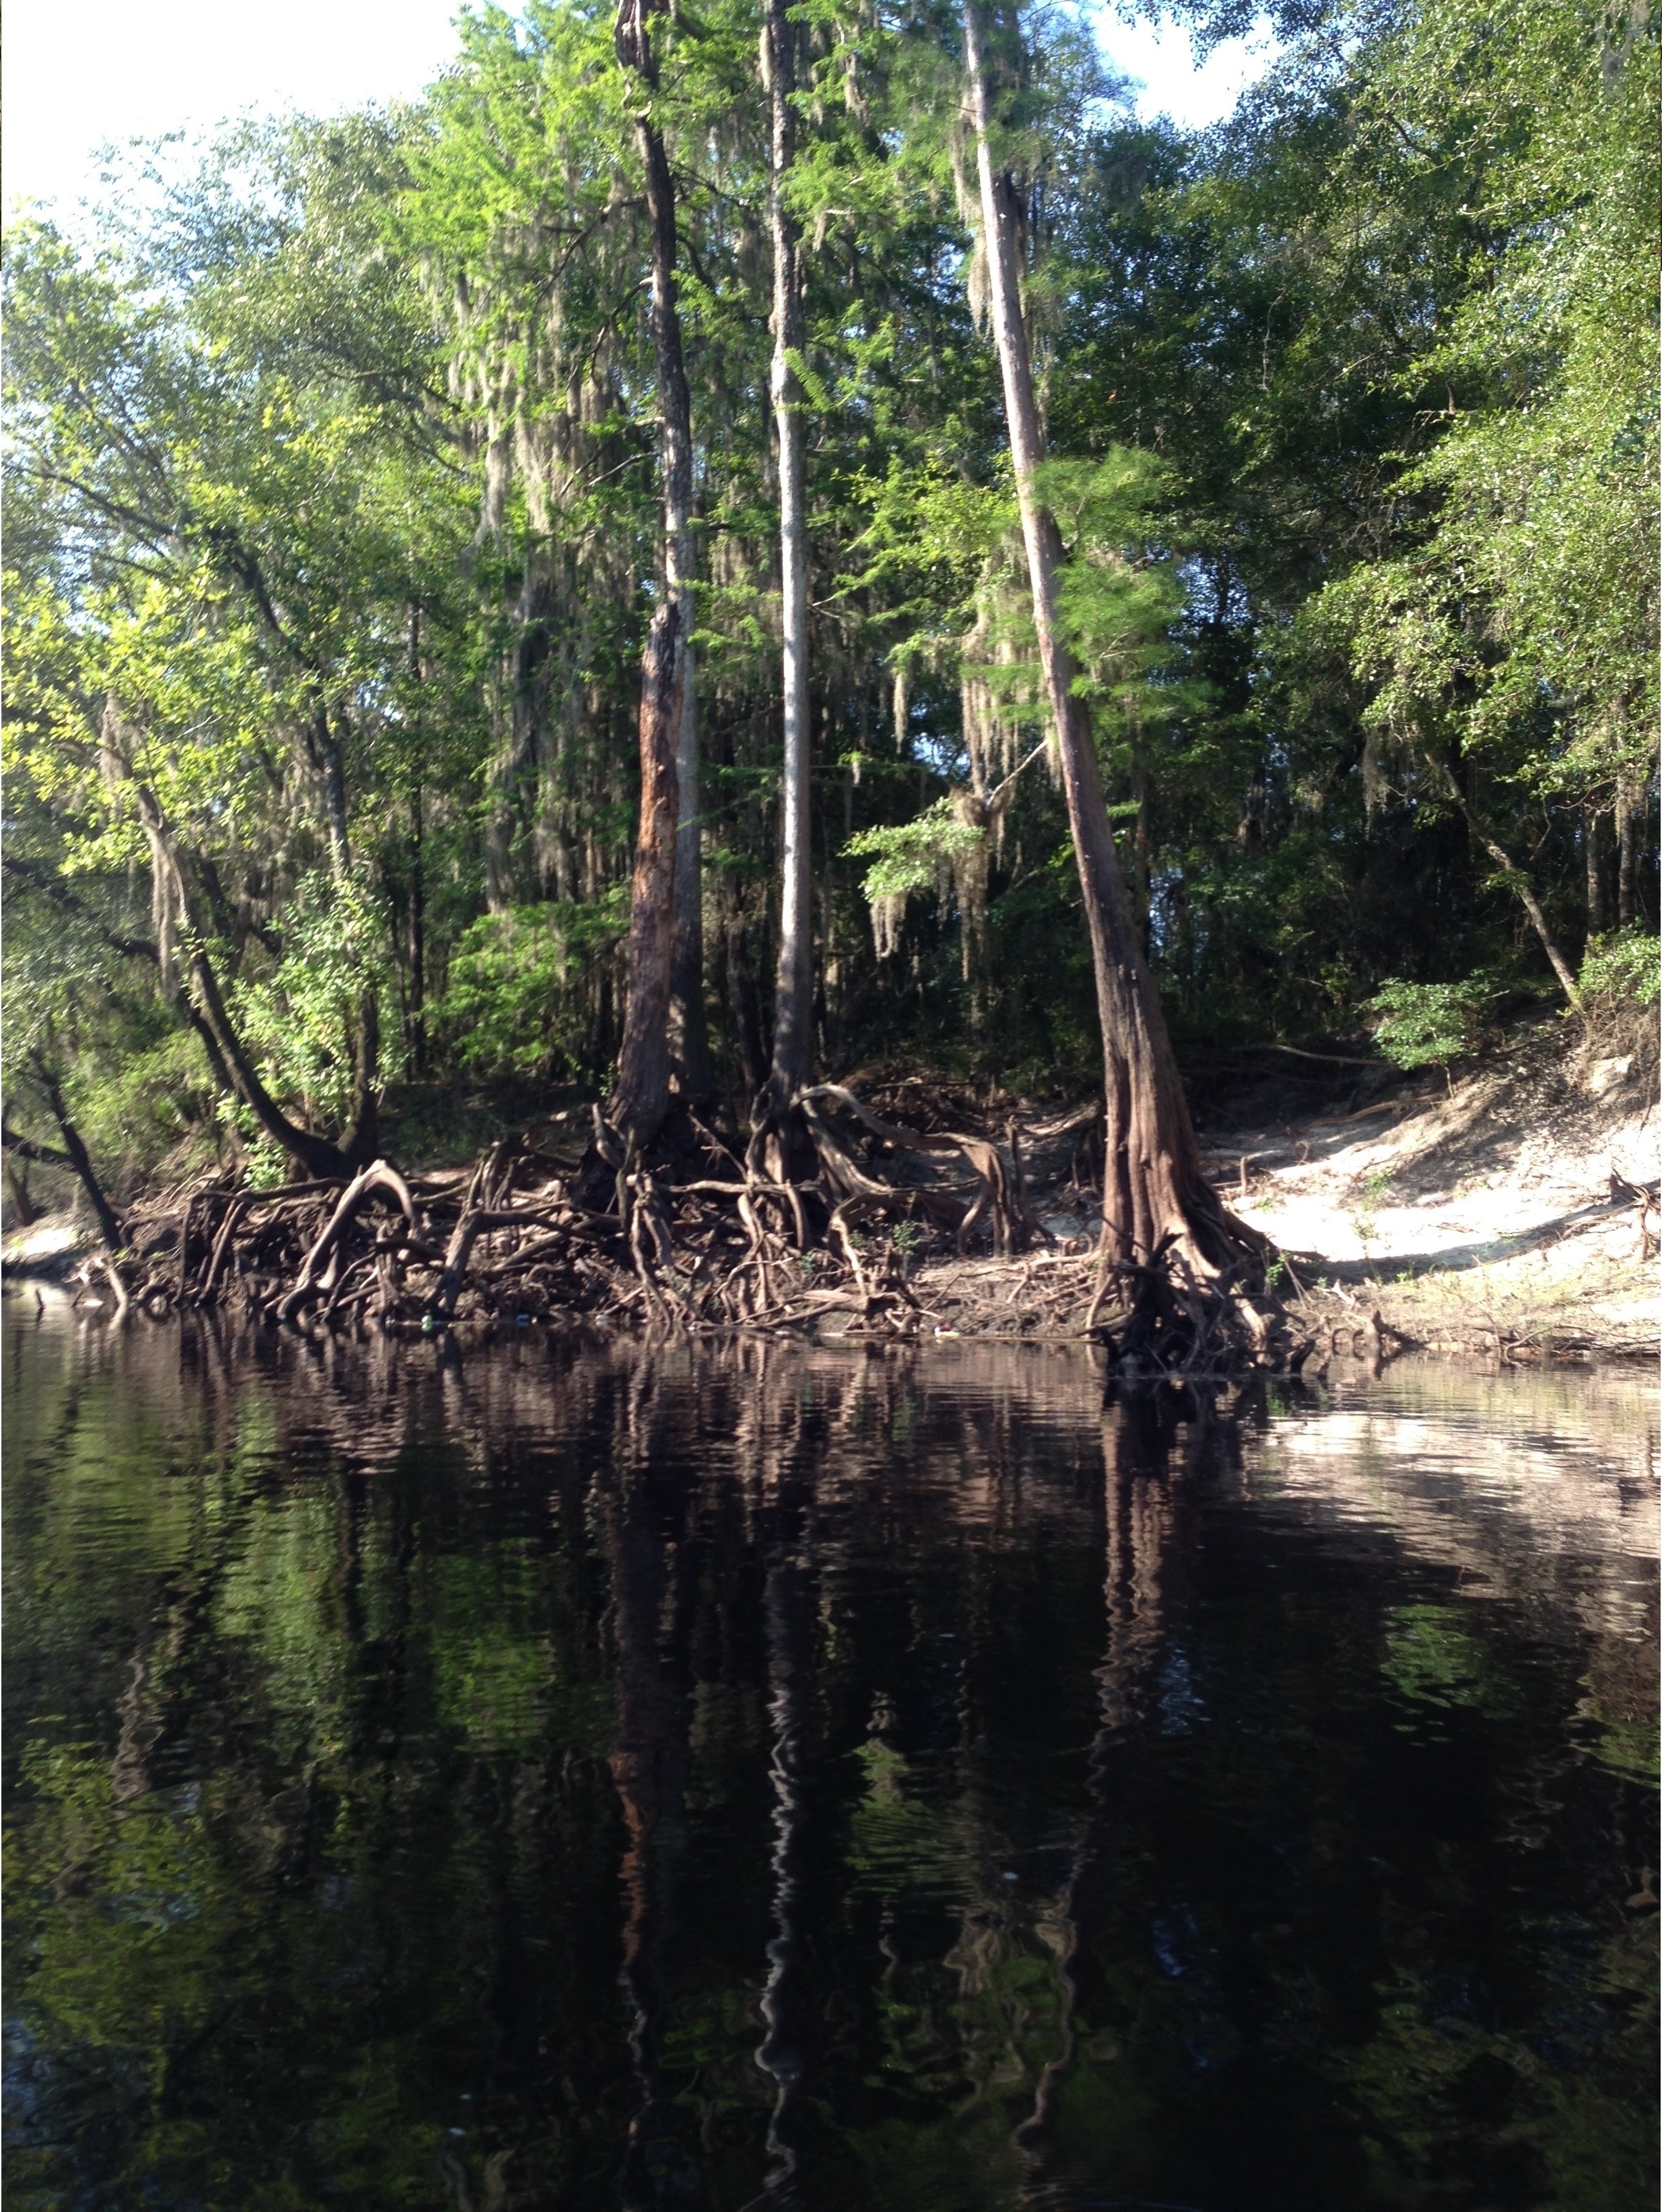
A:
[(769, 1776)]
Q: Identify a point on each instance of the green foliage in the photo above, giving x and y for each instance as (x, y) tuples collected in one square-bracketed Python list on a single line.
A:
[(301, 1017), (1626, 966), (515, 999), (912, 856), (333, 529), (1429, 1025), (1517, 616)]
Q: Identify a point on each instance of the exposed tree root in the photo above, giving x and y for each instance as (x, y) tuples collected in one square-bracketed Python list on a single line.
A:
[(701, 1237)]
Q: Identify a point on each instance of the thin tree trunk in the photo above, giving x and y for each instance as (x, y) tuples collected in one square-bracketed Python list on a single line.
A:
[(364, 1140), (1594, 844), (689, 1030), (331, 762), (641, 1095), (793, 1031), (22, 1206), (415, 936), (416, 940), (1153, 1188), (1520, 884), (1628, 814), (744, 1005), (109, 1227), (316, 1155)]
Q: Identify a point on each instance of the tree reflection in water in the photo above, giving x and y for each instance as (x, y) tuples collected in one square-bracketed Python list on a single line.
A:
[(586, 1775)]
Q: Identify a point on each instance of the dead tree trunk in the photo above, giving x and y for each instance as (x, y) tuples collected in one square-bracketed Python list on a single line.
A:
[(1155, 1201), (792, 1030), (642, 1093)]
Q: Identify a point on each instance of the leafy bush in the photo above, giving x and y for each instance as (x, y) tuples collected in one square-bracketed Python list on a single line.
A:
[(301, 1018), (1429, 1025), (517, 999), (1627, 965)]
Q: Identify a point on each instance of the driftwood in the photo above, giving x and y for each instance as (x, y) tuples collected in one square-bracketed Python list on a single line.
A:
[(710, 1235)]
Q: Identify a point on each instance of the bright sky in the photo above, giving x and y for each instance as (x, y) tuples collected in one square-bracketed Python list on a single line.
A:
[(114, 69)]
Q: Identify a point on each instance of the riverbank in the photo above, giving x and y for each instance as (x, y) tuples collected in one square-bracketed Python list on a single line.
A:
[(1510, 1213)]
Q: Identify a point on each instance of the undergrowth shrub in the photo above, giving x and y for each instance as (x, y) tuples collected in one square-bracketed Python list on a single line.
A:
[(1431, 1024)]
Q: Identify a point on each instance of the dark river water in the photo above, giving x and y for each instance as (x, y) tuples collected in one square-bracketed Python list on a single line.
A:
[(768, 1776)]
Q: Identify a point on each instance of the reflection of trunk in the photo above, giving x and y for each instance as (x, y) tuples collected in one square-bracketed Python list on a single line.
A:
[(649, 1768), (1153, 1188), (642, 1091), (793, 1030), (777, 2055), (1136, 1526)]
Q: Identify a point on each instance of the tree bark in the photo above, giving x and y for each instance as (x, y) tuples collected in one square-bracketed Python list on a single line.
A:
[(1153, 1188), (416, 941), (642, 1094), (793, 1030), (688, 1028), (1593, 849)]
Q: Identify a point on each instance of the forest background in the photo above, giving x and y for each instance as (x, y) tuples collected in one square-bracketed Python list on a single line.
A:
[(335, 535)]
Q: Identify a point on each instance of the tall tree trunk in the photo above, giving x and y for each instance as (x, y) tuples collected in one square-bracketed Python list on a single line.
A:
[(744, 1003), (1629, 812), (641, 1094), (363, 1043), (688, 1029), (1594, 843), (416, 940), (792, 1030), (1153, 1188), (638, 1103)]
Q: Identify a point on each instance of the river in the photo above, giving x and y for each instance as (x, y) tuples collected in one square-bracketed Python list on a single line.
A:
[(761, 1776)]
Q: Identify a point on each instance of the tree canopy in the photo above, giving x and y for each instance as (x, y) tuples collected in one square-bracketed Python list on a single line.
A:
[(334, 537)]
